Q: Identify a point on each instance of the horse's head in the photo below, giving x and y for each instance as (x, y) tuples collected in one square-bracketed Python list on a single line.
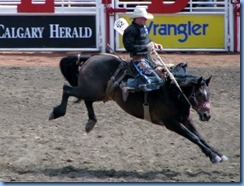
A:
[(200, 98)]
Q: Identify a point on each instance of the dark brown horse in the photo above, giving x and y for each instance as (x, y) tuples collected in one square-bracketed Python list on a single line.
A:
[(166, 106)]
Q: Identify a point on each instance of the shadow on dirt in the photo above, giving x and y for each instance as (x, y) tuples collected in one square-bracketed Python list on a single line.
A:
[(71, 172)]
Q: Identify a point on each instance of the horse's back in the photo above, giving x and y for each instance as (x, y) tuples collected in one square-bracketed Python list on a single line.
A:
[(100, 66), (104, 58), (95, 73)]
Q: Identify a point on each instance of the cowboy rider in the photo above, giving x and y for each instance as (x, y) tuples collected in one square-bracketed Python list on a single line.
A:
[(137, 42)]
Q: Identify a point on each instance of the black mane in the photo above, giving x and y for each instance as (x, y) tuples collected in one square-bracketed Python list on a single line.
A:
[(182, 76)]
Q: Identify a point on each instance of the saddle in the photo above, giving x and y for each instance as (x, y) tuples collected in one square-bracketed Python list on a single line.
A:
[(126, 75)]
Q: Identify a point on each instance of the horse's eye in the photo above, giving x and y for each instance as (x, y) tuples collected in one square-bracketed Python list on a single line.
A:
[(198, 93)]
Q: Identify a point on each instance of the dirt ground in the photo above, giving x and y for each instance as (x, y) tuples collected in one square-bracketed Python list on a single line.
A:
[(120, 148)]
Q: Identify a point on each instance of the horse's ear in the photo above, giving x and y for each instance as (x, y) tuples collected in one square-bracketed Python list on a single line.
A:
[(199, 81), (208, 80)]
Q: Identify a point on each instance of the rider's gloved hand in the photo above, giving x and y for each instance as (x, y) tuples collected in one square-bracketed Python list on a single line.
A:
[(150, 46), (158, 46)]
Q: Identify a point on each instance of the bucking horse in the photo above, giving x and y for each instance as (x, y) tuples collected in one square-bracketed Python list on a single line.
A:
[(98, 78)]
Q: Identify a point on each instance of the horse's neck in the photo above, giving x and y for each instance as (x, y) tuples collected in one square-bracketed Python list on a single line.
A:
[(173, 92)]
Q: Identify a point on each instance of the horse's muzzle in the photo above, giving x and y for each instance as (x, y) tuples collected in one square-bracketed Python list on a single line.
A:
[(204, 116)]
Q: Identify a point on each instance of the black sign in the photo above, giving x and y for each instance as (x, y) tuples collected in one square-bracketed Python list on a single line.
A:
[(48, 31)]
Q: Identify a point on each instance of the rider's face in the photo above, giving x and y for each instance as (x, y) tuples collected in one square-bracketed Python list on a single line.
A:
[(141, 21)]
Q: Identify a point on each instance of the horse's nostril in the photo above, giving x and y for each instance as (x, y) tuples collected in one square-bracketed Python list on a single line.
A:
[(207, 116)]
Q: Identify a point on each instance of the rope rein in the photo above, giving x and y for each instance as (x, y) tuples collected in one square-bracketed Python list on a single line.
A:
[(171, 76)]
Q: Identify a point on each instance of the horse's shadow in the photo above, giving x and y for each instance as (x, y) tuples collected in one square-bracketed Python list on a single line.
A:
[(164, 175), (72, 172)]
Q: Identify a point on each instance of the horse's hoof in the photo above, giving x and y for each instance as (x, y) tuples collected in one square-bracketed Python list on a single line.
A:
[(51, 117), (224, 158), (216, 159), (55, 115), (90, 125)]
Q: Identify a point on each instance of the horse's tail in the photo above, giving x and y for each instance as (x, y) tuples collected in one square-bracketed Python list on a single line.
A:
[(69, 67)]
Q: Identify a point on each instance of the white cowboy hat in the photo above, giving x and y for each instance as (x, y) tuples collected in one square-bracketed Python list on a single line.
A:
[(140, 11)]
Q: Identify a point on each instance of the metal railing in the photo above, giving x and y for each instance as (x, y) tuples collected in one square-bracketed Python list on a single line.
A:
[(61, 6), (193, 6)]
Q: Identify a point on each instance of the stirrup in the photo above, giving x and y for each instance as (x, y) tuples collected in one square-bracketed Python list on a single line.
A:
[(126, 91)]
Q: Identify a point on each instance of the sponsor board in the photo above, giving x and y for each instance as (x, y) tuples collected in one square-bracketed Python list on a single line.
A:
[(186, 31), (35, 31)]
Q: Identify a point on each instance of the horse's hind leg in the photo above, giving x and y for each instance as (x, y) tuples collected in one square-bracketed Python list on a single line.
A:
[(91, 115), (60, 110)]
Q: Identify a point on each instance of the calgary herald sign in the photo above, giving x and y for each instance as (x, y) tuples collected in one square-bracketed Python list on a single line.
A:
[(38, 26), (47, 31)]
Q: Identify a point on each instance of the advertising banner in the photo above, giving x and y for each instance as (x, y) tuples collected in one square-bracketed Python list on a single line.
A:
[(36, 31), (186, 31)]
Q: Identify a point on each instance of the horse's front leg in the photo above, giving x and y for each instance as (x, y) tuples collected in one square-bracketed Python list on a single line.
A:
[(60, 110), (91, 115), (192, 128), (179, 128)]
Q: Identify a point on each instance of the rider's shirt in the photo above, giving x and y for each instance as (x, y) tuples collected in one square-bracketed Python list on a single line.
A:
[(135, 40)]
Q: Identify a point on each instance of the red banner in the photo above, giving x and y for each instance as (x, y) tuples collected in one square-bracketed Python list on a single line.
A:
[(160, 7), (28, 6)]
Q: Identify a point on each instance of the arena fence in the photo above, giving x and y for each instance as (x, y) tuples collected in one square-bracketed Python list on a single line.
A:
[(87, 25)]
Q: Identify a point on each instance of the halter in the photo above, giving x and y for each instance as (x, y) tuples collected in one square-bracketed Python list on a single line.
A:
[(204, 106), (199, 106)]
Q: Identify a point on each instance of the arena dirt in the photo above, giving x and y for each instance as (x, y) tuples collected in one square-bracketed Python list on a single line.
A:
[(120, 148)]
